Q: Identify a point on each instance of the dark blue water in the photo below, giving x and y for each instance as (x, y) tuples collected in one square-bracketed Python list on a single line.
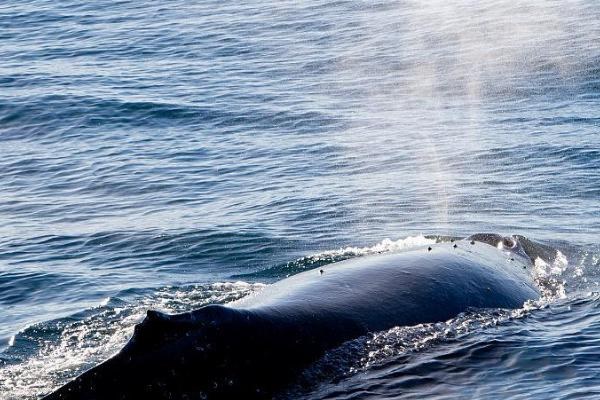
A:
[(168, 155)]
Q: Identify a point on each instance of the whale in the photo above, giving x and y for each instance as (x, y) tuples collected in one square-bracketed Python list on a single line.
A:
[(253, 348)]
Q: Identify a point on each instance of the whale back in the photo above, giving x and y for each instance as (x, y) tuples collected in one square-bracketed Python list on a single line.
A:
[(253, 347), (426, 284), (215, 352)]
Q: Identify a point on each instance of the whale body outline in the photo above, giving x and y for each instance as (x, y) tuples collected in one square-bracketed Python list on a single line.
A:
[(254, 347)]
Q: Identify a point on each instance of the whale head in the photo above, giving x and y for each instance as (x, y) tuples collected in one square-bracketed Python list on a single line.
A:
[(518, 245)]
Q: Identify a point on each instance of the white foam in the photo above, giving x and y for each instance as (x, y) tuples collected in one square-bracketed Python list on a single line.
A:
[(86, 342), (549, 276), (385, 246)]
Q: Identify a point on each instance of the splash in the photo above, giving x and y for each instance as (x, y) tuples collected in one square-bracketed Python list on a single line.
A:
[(385, 246), (549, 276), (69, 346), (402, 340), (344, 253)]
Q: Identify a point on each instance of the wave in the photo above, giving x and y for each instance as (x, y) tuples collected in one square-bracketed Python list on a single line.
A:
[(67, 117)]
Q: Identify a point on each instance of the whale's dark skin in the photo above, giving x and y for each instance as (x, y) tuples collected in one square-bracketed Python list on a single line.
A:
[(254, 347)]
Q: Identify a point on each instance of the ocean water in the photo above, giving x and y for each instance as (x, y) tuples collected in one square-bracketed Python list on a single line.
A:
[(172, 154)]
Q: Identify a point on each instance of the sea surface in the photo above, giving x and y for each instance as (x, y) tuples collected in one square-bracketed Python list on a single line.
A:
[(167, 155)]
